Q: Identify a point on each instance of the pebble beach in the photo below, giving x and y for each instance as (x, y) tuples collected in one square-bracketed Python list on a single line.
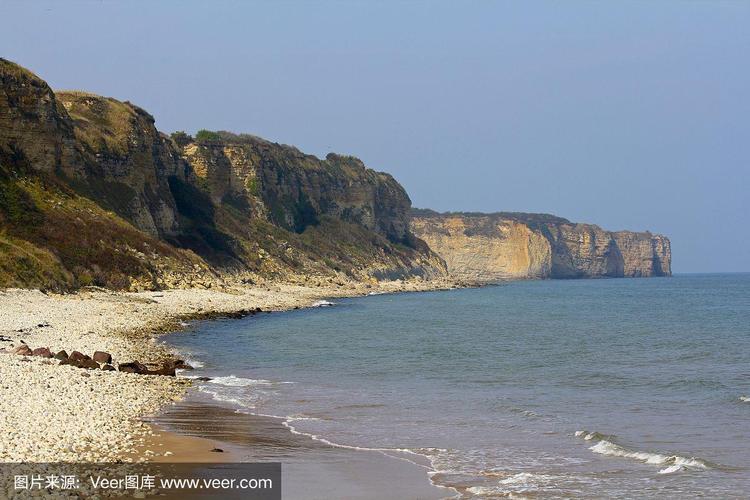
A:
[(52, 412)]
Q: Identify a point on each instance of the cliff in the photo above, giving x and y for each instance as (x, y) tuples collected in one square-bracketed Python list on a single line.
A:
[(294, 190), (92, 193), (493, 247)]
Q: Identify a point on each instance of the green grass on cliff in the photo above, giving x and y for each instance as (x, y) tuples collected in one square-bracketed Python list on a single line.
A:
[(23, 265), (103, 124), (50, 237), (14, 70)]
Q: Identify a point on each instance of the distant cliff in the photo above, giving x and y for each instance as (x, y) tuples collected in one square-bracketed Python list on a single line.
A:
[(493, 247), (91, 193)]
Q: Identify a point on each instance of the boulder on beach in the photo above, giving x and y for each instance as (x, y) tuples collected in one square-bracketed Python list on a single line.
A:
[(86, 363), (78, 356), (133, 367), (43, 352), (22, 350), (61, 355), (180, 364), (108, 368), (102, 357), (167, 369)]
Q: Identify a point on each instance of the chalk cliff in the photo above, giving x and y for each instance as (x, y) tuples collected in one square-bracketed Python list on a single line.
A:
[(494, 247)]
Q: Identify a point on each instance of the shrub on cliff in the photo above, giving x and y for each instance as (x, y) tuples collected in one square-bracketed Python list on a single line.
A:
[(204, 136), (181, 138)]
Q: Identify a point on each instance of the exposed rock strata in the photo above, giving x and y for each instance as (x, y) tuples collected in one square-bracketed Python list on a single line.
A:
[(92, 193), (494, 247), (294, 190)]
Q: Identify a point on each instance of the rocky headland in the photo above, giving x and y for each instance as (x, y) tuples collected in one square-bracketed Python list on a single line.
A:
[(491, 247)]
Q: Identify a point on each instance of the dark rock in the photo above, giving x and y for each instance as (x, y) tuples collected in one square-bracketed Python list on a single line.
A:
[(88, 364), (43, 352), (76, 356), (108, 368), (61, 355), (204, 379), (134, 367), (179, 364), (167, 370), (102, 357), (141, 369), (217, 450), (22, 350)]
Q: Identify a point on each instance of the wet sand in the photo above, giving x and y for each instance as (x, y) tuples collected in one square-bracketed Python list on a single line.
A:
[(310, 469)]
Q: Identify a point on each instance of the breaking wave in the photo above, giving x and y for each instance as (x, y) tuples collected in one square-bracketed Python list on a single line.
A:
[(675, 463), (232, 381)]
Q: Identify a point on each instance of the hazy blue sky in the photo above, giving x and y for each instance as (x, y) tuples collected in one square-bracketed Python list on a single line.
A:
[(631, 115)]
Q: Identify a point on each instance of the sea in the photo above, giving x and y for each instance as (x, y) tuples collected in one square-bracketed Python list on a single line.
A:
[(616, 388)]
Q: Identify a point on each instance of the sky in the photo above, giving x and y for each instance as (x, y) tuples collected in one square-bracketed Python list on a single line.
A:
[(629, 114)]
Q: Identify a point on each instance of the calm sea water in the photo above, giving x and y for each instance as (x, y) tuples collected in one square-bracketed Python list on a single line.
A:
[(590, 388)]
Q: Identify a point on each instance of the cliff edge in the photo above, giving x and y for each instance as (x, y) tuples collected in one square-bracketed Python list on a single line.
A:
[(493, 247), (91, 193)]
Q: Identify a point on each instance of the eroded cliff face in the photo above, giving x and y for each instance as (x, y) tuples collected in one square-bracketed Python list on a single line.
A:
[(494, 247), (483, 248), (92, 193), (295, 190), (34, 124), (128, 161)]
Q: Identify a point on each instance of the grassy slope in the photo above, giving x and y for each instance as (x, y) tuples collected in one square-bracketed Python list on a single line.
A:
[(50, 237)]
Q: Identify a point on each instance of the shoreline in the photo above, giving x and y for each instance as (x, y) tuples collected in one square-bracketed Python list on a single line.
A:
[(95, 415), (183, 421), (349, 472)]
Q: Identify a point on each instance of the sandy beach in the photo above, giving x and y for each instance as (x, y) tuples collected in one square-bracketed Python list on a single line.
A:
[(64, 413)]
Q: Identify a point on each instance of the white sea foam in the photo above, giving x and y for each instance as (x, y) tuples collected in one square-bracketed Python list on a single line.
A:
[(522, 482), (194, 363), (482, 490), (322, 303), (526, 480), (675, 462), (390, 452), (299, 418), (233, 381), (226, 398), (745, 399), (671, 469), (590, 436)]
